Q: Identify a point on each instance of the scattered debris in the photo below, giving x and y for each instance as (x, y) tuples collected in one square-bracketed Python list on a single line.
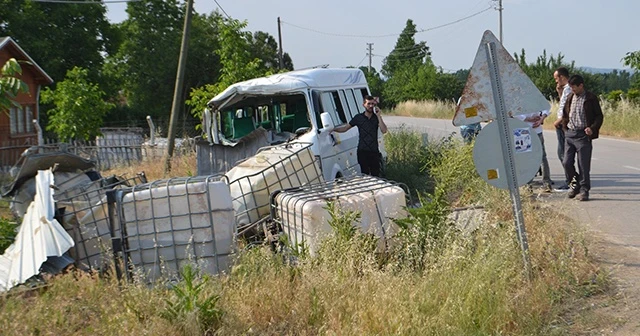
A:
[(39, 237), (155, 229)]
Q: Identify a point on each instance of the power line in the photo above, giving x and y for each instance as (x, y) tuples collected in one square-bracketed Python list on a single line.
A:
[(365, 56), (222, 9), (390, 35), (456, 21)]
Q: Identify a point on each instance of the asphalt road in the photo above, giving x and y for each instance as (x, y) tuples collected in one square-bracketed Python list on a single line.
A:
[(614, 208)]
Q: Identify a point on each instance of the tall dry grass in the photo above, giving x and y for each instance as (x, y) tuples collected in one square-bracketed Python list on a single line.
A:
[(425, 109), (475, 286), (454, 284), (621, 118), (181, 165)]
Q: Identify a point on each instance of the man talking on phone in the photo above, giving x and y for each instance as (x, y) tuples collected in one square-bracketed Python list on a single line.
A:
[(368, 123)]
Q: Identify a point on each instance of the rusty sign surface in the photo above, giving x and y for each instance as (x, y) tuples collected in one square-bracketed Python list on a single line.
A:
[(477, 104)]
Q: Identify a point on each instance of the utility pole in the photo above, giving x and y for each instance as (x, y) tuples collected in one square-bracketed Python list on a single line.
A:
[(500, 8), (177, 92), (370, 45), (280, 60)]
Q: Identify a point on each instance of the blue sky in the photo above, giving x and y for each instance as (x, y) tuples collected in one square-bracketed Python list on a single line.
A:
[(593, 33)]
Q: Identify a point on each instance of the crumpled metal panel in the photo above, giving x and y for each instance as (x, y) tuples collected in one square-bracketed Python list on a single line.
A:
[(477, 104), (40, 236), (30, 164)]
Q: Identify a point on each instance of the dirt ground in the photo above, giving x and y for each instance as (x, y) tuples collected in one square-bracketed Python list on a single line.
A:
[(616, 312)]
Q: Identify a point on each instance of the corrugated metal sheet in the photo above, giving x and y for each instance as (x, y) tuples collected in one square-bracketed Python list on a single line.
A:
[(477, 104), (40, 236)]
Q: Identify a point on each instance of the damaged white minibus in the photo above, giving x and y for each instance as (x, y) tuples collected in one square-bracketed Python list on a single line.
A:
[(300, 106)]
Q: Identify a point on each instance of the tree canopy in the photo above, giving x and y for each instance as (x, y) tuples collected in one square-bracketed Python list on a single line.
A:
[(134, 62), (79, 107)]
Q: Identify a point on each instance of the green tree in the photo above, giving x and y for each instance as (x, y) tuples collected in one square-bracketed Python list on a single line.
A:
[(146, 62), (406, 52), (264, 47), (541, 71), (79, 107), (59, 36), (238, 64), (632, 59), (376, 83), (409, 70), (448, 86), (10, 84)]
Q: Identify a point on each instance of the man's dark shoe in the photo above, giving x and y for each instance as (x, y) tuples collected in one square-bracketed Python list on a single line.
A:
[(573, 193), (583, 196), (562, 188)]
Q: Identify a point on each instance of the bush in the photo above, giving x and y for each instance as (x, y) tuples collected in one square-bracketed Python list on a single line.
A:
[(191, 310), (407, 158), (7, 233)]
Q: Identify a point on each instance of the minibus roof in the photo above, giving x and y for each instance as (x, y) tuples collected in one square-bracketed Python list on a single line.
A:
[(289, 82)]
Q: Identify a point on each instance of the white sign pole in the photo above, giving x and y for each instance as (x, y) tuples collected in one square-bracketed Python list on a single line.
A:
[(506, 142)]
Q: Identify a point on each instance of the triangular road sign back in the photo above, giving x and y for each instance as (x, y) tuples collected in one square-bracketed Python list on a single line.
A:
[(521, 96)]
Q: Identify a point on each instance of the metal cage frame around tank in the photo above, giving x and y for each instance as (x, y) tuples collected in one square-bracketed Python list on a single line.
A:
[(326, 191), (92, 199), (245, 194), (197, 222)]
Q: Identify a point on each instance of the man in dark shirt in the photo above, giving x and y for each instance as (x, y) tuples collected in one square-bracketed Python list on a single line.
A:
[(581, 119), (368, 123)]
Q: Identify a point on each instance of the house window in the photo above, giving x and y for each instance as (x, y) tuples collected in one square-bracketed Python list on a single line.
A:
[(13, 120), (20, 125), (20, 120), (29, 119)]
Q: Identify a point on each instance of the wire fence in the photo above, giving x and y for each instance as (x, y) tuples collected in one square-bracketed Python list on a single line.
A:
[(116, 147)]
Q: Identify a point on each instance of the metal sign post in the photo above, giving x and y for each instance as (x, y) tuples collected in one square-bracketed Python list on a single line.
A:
[(506, 142)]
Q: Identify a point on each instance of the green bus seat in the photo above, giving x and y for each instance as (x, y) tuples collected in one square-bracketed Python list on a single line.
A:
[(242, 127)]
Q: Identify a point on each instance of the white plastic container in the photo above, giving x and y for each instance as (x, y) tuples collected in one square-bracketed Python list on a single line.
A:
[(274, 168), (305, 220), (169, 225)]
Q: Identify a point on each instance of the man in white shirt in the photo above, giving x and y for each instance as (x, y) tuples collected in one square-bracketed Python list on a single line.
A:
[(535, 120), (561, 76)]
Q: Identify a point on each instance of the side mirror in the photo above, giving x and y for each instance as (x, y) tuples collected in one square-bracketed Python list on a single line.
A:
[(327, 122)]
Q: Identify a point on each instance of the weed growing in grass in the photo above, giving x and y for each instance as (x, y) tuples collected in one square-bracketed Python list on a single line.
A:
[(407, 158), (194, 312), (424, 233), (451, 166), (347, 249), (342, 222)]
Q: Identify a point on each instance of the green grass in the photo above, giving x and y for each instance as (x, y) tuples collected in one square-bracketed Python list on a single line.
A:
[(434, 281)]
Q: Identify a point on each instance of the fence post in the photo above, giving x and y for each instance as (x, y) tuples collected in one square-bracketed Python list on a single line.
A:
[(39, 131), (152, 131), (116, 242)]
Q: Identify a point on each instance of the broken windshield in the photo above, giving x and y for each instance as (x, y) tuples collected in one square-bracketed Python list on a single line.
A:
[(276, 113)]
